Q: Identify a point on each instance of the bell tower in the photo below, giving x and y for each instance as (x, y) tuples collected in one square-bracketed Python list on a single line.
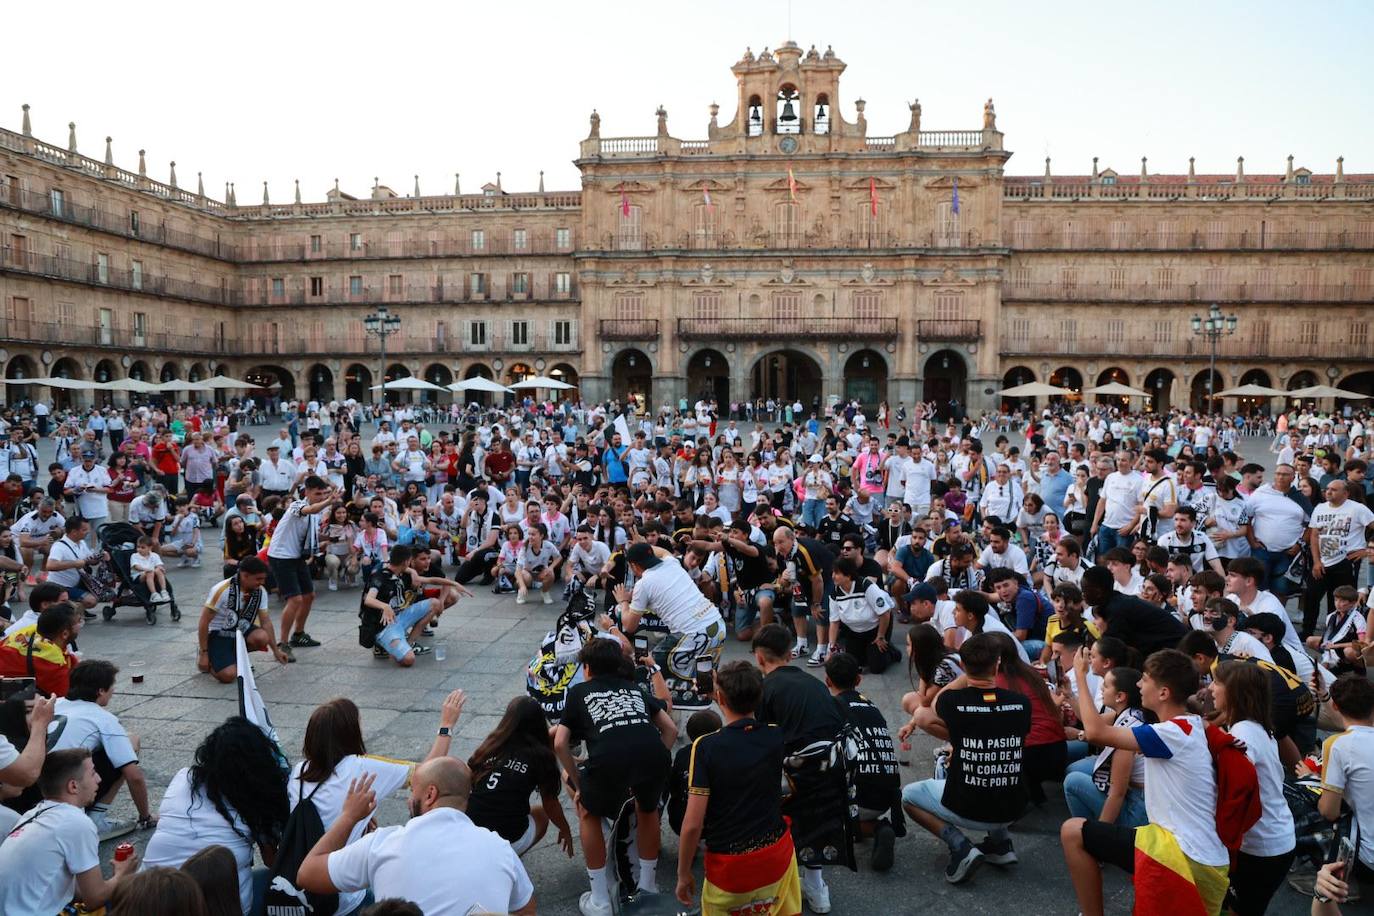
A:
[(788, 93)]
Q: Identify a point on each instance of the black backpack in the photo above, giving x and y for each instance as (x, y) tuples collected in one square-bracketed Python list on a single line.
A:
[(303, 830)]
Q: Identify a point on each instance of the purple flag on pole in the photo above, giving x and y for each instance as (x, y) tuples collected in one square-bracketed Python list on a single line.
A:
[(954, 203)]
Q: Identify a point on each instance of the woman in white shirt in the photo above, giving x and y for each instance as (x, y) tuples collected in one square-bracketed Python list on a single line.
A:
[(1241, 695), (333, 755), (233, 795)]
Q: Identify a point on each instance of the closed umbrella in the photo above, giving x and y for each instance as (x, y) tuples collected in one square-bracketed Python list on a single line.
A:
[(1034, 390), (543, 381), (1116, 388)]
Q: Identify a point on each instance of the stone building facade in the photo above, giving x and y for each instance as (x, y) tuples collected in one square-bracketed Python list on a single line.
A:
[(789, 253)]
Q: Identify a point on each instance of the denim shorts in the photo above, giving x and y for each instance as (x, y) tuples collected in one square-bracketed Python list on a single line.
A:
[(393, 638)]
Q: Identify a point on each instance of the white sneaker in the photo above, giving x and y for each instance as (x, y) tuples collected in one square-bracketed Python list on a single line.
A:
[(818, 657), (799, 650), (108, 829), (818, 900), (333, 585), (587, 907), (520, 598), (183, 562), (548, 599), (195, 564)]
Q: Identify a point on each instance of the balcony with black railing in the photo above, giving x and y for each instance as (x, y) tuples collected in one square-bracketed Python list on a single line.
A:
[(628, 328), (958, 329), (25, 261), (798, 329)]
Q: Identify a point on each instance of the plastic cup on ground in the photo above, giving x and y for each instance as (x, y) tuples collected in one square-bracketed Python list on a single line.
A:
[(440, 651), (136, 671)]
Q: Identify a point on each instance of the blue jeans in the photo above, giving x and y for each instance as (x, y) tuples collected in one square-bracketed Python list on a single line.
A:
[(1108, 537), (393, 638), (813, 510), (1087, 800), (1276, 563), (927, 795), (1033, 647)]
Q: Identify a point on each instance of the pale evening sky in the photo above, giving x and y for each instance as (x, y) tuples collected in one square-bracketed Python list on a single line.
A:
[(260, 91)]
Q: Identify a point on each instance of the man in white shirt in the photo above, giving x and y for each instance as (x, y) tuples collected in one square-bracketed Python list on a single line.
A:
[(294, 541), (1277, 523), (482, 873), (37, 532), (82, 719), (276, 473), (1001, 553), (89, 485), (1337, 535), (1115, 513), (663, 588), (68, 557), (1185, 539), (919, 473), (52, 854), (1243, 579), (1001, 497), (1220, 616)]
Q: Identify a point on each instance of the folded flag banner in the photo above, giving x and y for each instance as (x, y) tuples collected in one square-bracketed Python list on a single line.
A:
[(1167, 881), (251, 706), (706, 197), (791, 185), (954, 202), (624, 202), (872, 197)]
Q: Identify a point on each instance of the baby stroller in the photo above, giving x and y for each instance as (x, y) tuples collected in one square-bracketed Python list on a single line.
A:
[(121, 588), (555, 668)]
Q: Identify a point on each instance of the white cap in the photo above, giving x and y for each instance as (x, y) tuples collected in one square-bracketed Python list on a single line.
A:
[(815, 459)]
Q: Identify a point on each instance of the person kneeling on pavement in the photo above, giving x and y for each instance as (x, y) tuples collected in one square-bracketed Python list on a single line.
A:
[(863, 610), (393, 622), (236, 604), (982, 790)]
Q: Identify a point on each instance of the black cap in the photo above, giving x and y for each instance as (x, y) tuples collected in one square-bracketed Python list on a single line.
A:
[(642, 555)]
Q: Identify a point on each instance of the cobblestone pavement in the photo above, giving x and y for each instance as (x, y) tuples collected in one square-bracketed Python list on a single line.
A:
[(489, 640)]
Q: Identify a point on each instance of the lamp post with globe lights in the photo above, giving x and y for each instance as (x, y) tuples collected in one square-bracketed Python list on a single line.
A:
[(1213, 327), (382, 324)]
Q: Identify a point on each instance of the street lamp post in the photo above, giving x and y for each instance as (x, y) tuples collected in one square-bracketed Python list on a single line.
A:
[(1213, 327), (382, 324)]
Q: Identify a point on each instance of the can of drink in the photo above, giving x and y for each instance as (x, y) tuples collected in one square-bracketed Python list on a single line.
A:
[(905, 757), (123, 851)]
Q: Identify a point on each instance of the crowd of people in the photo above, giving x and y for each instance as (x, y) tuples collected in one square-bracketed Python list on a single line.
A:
[(1096, 602)]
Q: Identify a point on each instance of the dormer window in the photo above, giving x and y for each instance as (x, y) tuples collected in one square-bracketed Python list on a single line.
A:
[(1109, 179), (789, 122), (820, 117), (1302, 179)]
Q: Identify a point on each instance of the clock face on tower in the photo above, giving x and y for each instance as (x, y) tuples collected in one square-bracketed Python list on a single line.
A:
[(788, 145)]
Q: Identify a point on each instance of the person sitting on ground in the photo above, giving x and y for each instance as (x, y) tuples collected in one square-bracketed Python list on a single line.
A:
[(234, 795), (878, 782), (735, 806), (538, 564), (480, 872), (146, 566), (182, 534), (1143, 626), (1347, 775), (862, 611), (82, 719), (983, 723), (514, 761), (1110, 787), (1221, 616), (627, 734), (1028, 609), (71, 556), (53, 854), (1343, 635), (236, 604), (43, 651), (388, 605), (1180, 789), (217, 874), (333, 757), (699, 723), (1068, 618)]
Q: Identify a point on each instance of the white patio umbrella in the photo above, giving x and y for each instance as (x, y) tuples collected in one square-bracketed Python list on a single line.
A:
[(1250, 391), (73, 384), (479, 383), (130, 384), (1325, 391), (1116, 388), (225, 381), (1033, 390), (183, 385), (409, 383), (543, 381)]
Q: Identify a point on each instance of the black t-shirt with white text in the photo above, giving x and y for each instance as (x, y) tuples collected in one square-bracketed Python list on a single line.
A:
[(500, 799), (613, 716), (987, 729), (877, 779)]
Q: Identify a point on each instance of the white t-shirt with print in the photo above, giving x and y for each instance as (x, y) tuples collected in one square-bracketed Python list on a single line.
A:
[(1180, 788), (1340, 529), (40, 860), (1348, 767)]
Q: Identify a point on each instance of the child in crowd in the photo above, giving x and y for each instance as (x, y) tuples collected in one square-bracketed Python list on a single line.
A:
[(507, 560), (183, 535), (147, 566)]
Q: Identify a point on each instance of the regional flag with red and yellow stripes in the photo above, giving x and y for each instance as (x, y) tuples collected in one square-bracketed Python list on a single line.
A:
[(1168, 882), (759, 883)]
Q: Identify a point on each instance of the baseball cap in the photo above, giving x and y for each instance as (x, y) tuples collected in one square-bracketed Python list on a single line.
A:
[(274, 447), (87, 453), (642, 554), (815, 459), (923, 592)]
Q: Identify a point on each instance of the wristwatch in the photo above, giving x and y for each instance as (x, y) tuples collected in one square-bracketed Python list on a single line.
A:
[(445, 731)]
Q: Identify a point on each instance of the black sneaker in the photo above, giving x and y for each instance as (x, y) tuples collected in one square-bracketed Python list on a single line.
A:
[(422, 650), (378, 652), (963, 864), (884, 842), (427, 632), (89, 615), (302, 640), (998, 852)]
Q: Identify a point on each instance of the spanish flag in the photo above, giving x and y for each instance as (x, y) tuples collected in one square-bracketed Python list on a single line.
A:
[(1168, 882), (791, 184), (26, 654), (759, 883)]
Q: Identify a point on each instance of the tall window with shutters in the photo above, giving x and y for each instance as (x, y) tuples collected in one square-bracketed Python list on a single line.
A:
[(1068, 334), (1116, 332), (1118, 234), (1166, 234), (949, 306), (870, 223), (1259, 336), (786, 310), (629, 307), (1359, 335), (1164, 332), (867, 306), (1164, 279), (706, 309), (1116, 279), (629, 231), (1018, 333), (1021, 235), (1213, 280), (787, 224), (947, 223), (394, 246), (703, 226), (1307, 333)]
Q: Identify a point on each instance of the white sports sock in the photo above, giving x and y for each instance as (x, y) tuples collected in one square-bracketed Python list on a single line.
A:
[(597, 877), (812, 879), (648, 875)]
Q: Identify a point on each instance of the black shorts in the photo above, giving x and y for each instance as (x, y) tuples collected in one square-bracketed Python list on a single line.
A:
[(105, 771), (605, 783), (292, 576), (1110, 843), (223, 649)]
